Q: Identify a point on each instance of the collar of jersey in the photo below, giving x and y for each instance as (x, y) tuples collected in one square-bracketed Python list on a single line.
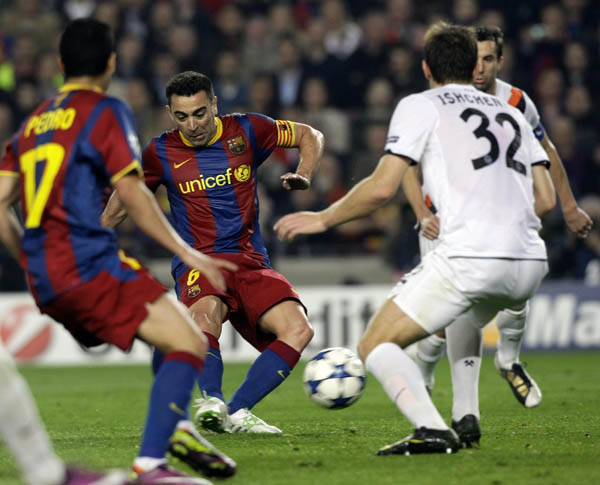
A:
[(457, 85), (73, 87), (212, 140)]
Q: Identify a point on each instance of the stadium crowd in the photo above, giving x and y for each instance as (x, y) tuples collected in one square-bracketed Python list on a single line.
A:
[(338, 65)]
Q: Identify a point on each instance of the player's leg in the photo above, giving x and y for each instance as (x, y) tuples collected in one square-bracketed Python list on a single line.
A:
[(428, 352), (22, 429), (511, 327), (381, 347), (287, 321), (427, 300), (525, 279), (169, 327), (465, 346), (210, 409), (209, 313), (25, 435), (209, 308)]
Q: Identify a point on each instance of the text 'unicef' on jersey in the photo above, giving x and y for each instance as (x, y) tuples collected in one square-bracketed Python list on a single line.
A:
[(201, 182)]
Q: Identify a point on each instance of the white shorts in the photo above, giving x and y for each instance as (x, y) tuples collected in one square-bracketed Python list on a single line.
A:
[(427, 245), (440, 289)]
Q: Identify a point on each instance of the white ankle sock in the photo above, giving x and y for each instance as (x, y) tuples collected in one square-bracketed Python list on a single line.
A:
[(402, 381)]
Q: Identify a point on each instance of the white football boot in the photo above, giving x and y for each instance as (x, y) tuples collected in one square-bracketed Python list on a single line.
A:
[(212, 414), (521, 383), (243, 421)]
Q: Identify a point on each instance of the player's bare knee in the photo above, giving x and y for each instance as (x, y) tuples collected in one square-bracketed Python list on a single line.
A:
[(208, 314), (170, 327), (190, 338), (191, 342), (197, 345), (288, 322), (304, 333), (297, 334), (206, 323)]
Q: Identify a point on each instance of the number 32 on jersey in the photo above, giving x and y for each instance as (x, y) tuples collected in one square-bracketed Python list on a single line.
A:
[(482, 131)]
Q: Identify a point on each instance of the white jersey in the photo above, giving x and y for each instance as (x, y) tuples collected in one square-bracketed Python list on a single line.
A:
[(519, 99), (476, 154)]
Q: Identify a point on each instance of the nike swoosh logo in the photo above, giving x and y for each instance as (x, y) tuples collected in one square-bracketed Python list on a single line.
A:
[(173, 407), (282, 374), (177, 165)]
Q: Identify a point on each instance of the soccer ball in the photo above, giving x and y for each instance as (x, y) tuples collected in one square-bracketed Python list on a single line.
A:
[(334, 378)]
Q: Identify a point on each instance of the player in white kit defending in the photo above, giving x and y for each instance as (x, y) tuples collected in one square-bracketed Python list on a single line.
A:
[(482, 162), (465, 339)]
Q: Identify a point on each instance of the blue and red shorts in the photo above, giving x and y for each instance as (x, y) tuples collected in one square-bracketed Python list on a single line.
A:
[(107, 308), (252, 290)]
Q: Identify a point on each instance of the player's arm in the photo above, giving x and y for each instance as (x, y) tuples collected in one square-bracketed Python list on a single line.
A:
[(543, 189), (428, 221), (310, 143), (114, 213), (142, 206), (577, 220), (364, 198), (10, 229)]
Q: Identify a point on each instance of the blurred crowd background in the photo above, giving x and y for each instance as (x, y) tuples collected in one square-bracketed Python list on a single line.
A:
[(338, 65)]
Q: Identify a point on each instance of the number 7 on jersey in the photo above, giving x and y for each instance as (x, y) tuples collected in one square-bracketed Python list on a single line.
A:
[(37, 197)]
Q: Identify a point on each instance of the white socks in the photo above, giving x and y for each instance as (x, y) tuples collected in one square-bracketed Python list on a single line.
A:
[(429, 352), (465, 345), (511, 327), (23, 431), (402, 381)]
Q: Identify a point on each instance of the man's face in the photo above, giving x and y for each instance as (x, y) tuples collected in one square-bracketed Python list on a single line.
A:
[(194, 116), (486, 70)]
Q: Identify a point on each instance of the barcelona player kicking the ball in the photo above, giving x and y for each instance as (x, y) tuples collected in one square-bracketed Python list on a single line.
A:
[(209, 164)]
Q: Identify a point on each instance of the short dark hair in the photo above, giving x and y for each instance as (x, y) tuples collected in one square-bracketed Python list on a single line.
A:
[(450, 52), (493, 33), (188, 83), (85, 47)]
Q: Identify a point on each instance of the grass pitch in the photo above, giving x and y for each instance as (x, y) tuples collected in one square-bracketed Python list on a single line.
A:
[(95, 416)]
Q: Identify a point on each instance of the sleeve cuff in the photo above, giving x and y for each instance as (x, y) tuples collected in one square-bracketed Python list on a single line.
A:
[(411, 161), (545, 163), (135, 165), (9, 173)]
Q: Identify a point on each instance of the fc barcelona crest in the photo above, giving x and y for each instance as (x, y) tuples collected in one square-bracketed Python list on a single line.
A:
[(194, 291), (236, 145)]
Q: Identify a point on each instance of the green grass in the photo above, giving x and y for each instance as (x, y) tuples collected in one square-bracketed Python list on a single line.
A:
[(95, 416)]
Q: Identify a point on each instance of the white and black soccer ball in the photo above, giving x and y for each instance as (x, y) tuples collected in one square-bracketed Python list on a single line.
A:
[(334, 378)]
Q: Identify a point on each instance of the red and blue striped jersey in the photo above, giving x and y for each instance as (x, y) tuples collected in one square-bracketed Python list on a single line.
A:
[(212, 189), (66, 154)]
